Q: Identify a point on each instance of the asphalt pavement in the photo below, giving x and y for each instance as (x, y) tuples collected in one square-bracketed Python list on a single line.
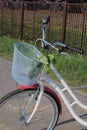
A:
[(66, 121)]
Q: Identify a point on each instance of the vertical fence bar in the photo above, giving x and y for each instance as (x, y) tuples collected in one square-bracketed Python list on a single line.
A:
[(2, 18), (84, 10), (64, 22), (33, 35), (12, 23), (22, 21), (48, 35)]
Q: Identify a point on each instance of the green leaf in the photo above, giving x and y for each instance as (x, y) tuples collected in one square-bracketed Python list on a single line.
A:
[(43, 59), (51, 57)]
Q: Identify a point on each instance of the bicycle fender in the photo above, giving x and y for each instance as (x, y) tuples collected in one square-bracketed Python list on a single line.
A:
[(55, 96), (48, 91)]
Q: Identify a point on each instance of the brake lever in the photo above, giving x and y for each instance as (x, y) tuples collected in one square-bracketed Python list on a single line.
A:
[(66, 54)]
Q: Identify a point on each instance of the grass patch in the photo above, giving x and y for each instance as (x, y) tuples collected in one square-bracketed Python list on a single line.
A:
[(6, 47), (73, 70)]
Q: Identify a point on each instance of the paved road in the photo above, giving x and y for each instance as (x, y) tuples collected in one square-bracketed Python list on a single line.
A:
[(66, 121)]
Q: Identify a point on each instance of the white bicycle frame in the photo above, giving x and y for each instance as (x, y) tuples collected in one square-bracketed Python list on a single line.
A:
[(61, 91), (58, 89), (55, 86)]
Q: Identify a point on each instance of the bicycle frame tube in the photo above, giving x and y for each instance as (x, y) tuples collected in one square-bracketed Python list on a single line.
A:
[(39, 96), (47, 90), (65, 99), (38, 101)]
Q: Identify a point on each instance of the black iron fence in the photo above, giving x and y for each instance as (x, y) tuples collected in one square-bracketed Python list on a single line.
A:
[(23, 20)]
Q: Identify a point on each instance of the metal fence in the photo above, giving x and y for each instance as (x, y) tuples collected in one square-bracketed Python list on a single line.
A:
[(23, 20)]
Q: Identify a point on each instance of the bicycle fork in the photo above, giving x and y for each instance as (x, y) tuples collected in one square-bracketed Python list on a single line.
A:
[(37, 96)]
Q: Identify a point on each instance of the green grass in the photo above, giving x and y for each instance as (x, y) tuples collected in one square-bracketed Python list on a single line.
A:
[(6, 47), (74, 70)]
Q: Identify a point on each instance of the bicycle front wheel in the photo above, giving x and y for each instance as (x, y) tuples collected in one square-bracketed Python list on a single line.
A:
[(13, 105)]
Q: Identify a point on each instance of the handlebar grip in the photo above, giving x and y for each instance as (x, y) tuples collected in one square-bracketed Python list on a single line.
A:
[(75, 49), (66, 46)]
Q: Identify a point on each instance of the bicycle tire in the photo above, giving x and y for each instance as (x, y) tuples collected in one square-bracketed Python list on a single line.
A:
[(11, 107)]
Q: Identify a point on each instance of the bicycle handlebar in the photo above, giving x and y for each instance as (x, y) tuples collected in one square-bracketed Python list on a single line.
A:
[(64, 46), (75, 49)]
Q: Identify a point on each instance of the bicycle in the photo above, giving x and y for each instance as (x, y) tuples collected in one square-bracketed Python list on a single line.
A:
[(34, 105)]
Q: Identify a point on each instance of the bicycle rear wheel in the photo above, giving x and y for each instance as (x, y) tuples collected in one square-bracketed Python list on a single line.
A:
[(13, 104)]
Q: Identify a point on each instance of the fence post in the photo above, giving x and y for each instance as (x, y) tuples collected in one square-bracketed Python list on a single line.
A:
[(12, 23), (22, 21), (34, 19), (64, 22), (84, 11), (1, 18)]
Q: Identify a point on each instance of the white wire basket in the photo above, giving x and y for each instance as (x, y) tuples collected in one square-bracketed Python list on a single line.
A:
[(25, 67)]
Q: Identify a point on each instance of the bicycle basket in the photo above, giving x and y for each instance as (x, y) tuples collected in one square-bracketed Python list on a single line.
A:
[(25, 66)]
